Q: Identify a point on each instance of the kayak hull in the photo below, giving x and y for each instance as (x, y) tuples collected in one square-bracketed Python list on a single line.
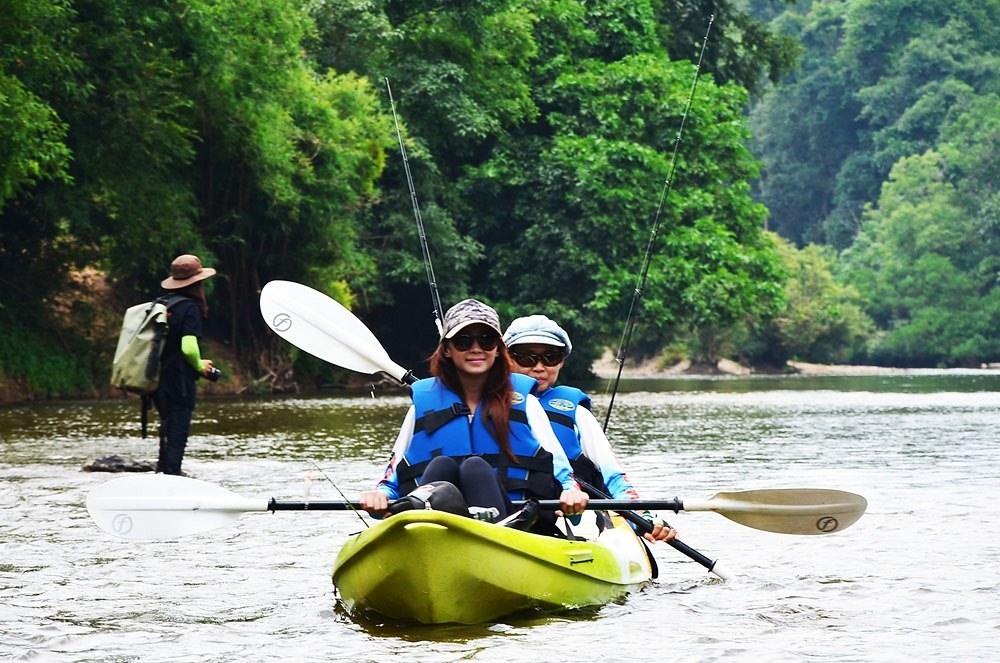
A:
[(434, 567)]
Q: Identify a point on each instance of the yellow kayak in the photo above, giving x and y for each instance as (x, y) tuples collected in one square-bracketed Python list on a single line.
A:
[(434, 567)]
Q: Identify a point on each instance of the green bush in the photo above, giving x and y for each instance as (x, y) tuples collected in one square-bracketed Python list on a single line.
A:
[(822, 319), (44, 365)]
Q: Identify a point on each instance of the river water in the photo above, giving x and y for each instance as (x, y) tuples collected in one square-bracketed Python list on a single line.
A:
[(916, 579)]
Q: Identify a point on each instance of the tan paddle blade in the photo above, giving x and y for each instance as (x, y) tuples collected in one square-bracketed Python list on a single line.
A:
[(787, 510)]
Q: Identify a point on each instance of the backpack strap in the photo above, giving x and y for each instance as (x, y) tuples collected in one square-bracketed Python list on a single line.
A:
[(170, 300)]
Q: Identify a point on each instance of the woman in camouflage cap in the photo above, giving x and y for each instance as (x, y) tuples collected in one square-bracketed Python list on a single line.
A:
[(477, 426)]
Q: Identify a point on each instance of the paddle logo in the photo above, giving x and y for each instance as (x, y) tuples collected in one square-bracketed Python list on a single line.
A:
[(122, 524), (562, 404), (516, 398), (827, 524), (282, 322)]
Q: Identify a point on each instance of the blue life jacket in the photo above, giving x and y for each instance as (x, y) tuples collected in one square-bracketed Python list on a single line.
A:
[(442, 428), (560, 403)]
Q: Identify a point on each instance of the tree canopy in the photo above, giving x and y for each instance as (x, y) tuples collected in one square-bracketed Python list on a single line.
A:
[(541, 133), (882, 145)]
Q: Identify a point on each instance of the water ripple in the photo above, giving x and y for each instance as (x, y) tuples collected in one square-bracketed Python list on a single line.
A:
[(915, 579)]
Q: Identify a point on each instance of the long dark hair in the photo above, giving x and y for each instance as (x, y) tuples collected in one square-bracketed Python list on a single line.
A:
[(497, 393), (195, 291)]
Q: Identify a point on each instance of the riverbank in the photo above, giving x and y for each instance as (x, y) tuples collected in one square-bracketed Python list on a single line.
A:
[(238, 382), (606, 368)]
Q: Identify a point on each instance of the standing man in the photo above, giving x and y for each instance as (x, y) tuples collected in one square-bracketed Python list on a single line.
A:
[(181, 361)]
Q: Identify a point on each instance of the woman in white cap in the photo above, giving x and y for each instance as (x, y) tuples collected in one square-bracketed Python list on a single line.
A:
[(538, 348), (477, 426), (181, 363)]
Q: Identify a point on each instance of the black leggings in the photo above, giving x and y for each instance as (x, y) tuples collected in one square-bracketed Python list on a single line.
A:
[(475, 478)]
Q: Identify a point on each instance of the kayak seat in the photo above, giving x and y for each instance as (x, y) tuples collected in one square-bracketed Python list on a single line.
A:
[(532, 519), (524, 519)]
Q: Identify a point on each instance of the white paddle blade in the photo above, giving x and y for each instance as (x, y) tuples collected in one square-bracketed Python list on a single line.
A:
[(321, 326), (788, 510), (161, 506)]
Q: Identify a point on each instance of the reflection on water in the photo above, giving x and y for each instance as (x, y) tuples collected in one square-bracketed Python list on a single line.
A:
[(916, 578)]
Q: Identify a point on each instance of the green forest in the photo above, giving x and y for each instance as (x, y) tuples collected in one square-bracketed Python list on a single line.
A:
[(835, 193)]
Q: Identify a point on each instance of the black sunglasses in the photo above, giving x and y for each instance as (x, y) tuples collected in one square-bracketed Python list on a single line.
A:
[(486, 340), (528, 359)]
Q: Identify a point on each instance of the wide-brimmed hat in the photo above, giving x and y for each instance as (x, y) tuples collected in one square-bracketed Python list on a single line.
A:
[(470, 312), (537, 329), (184, 271)]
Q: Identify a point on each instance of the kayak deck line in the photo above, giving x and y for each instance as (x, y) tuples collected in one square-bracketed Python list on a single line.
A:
[(434, 567)]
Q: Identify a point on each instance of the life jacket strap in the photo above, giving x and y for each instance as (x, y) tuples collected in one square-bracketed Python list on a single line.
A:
[(561, 419), (435, 419), (407, 474), (540, 463), (540, 482)]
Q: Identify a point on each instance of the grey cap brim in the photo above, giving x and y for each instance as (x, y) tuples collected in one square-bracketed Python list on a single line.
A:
[(541, 339)]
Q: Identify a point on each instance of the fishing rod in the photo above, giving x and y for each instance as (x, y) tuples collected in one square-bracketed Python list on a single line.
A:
[(626, 339), (425, 250)]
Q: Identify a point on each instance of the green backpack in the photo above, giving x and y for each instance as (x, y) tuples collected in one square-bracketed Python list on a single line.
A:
[(136, 366)]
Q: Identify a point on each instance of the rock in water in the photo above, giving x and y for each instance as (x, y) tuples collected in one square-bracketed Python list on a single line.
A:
[(118, 464)]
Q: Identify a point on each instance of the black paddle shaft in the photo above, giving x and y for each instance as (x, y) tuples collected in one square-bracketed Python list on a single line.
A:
[(674, 505)]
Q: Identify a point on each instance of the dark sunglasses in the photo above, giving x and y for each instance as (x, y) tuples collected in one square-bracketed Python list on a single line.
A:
[(529, 359), (486, 340)]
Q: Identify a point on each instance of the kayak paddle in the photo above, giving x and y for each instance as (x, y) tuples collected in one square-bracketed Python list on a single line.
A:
[(321, 326), (162, 506)]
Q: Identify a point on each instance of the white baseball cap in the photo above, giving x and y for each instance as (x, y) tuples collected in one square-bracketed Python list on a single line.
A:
[(537, 329)]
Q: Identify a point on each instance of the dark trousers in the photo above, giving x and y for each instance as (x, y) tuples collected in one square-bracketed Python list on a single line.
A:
[(475, 478), (174, 429), (175, 403)]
